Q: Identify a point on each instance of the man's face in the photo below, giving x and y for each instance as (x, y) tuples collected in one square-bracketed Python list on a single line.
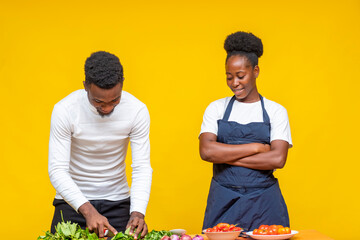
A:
[(104, 100)]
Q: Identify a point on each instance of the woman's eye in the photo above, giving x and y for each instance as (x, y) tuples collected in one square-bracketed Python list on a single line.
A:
[(241, 77)]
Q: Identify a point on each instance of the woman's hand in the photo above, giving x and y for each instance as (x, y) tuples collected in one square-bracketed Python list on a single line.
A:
[(215, 152), (264, 148), (268, 160)]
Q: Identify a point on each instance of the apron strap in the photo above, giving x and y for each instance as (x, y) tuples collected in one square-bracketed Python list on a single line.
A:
[(266, 118), (228, 109)]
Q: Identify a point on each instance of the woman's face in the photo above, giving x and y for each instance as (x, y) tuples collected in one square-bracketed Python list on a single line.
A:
[(241, 78)]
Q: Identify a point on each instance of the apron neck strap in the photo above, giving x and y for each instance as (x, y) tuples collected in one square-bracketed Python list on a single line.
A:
[(228, 109), (266, 118)]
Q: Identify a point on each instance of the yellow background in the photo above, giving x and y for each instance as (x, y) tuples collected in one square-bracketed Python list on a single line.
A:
[(173, 59)]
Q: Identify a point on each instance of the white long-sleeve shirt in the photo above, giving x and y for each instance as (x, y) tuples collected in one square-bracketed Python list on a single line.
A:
[(87, 151)]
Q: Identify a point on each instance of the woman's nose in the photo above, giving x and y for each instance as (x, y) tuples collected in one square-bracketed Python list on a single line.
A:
[(235, 82)]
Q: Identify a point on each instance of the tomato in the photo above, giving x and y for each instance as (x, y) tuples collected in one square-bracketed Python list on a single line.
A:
[(287, 230), (223, 225), (217, 229), (264, 227), (282, 230), (275, 227), (209, 230), (237, 229), (263, 231), (256, 231), (273, 231)]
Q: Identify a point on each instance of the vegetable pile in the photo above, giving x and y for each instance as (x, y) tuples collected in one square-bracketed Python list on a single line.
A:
[(72, 231), (271, 230), (224, 227)]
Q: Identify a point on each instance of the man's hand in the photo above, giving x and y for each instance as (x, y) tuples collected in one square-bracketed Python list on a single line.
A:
[(137, 221), (95, 222)]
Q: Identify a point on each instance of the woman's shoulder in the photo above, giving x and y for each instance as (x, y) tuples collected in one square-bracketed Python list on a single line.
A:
[(217, 107), (220, 103), (274, 108)]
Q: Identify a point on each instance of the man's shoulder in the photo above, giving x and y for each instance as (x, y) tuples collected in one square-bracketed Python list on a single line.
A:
[(128, 98), (71, 99)]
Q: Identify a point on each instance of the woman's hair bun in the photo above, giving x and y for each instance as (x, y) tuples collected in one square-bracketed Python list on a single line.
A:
[(243, 42)]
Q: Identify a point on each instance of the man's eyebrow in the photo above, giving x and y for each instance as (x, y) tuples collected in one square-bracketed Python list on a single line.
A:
[(97, 100), (115, 99)]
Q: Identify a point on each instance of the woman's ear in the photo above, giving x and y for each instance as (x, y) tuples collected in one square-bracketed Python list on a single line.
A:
[(256, 71)]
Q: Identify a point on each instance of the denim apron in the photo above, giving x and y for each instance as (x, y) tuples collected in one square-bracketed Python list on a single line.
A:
[(240, 195)]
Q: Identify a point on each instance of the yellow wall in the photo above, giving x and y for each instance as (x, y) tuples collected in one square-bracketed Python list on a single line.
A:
[(173, 58)]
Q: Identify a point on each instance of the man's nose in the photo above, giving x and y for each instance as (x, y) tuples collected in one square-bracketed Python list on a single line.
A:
[(107, 108)]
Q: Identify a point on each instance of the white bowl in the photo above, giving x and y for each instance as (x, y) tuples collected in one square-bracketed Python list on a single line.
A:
[(178, 231), (222, 235)]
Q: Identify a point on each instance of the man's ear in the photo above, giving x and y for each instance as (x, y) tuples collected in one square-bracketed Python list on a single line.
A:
[(85, 86)]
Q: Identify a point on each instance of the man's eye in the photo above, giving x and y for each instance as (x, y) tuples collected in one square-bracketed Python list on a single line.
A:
[(97, 101), (241, 77)]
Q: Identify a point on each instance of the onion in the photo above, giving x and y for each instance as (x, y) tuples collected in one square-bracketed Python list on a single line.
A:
[(165, 238), (185, 237), (174, 237), (198, 237)]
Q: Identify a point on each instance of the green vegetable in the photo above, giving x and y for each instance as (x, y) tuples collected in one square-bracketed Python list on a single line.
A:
[(157, 235), (72, 231), (69, 231)]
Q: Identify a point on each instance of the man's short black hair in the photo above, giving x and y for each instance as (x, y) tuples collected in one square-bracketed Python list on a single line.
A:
[(103, 69)]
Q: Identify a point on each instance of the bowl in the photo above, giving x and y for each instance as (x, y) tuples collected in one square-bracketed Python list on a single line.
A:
[(178, 231), (222, 235)]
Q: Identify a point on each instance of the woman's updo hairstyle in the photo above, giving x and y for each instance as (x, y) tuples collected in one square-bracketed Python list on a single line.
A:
[(244, 44)]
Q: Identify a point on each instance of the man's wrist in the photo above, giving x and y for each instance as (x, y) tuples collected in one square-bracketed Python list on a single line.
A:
[(86, 209), (137, 214)]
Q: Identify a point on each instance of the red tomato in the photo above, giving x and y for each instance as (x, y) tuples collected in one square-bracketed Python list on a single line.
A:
[(263, 231), (216, 229), (231, 227), (209, 230), (237, 229), (256, 231), (223, 225), (276, 227), (272, 231), (282, 230), (264, 227)]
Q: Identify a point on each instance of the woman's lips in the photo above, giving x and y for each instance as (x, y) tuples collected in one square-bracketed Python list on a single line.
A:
[(238, 91)]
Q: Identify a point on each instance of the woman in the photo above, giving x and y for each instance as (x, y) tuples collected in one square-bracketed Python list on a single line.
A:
[(246, 137)]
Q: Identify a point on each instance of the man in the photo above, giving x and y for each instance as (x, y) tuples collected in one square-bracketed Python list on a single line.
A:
[(89, 136)]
